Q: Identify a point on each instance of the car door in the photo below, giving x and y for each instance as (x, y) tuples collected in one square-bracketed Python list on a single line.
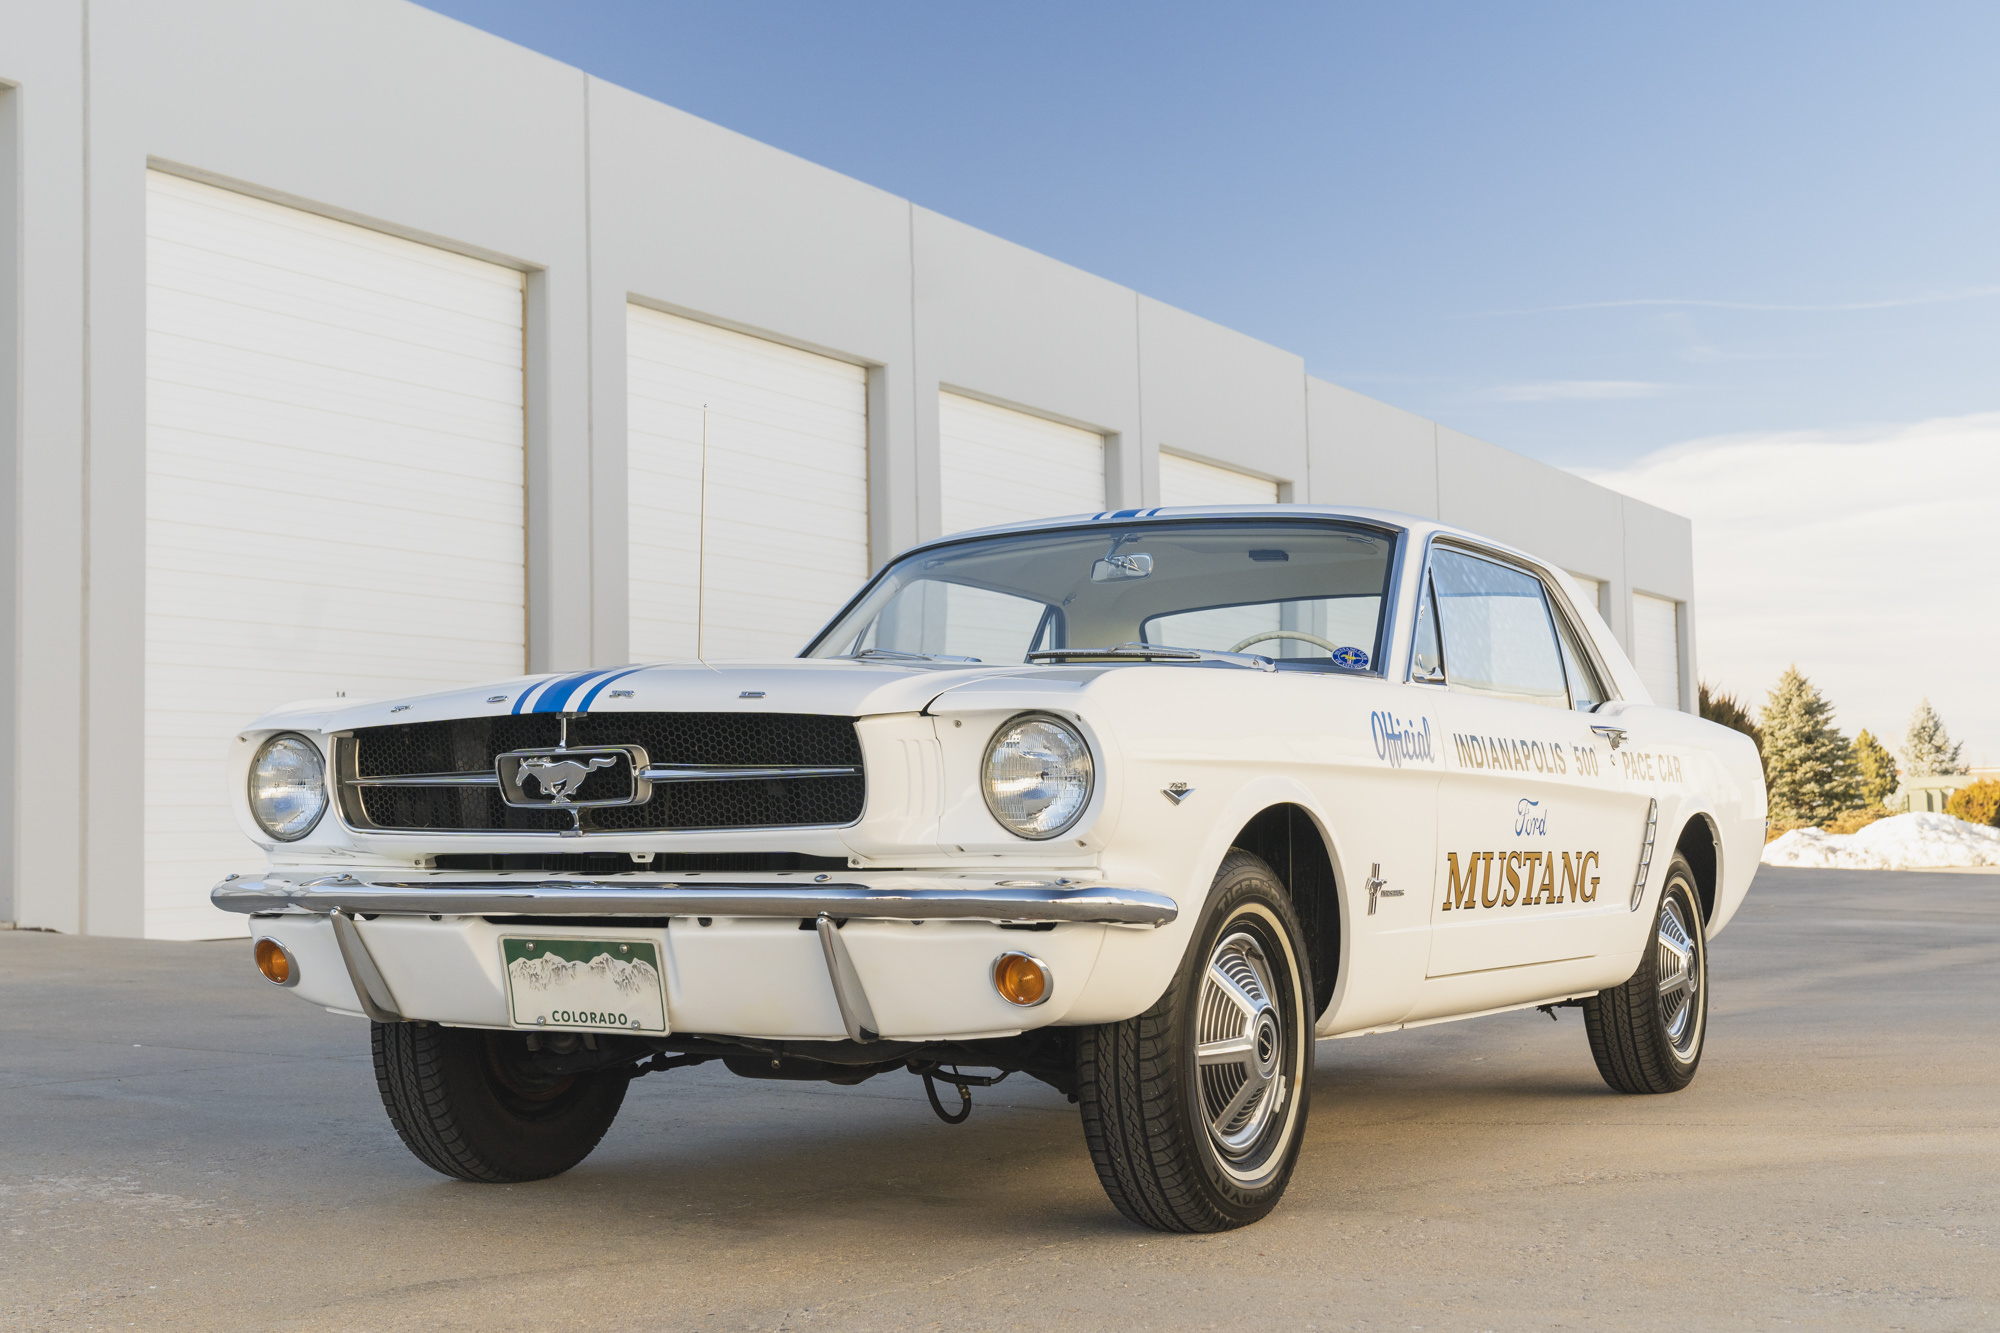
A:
[(1538, 837)]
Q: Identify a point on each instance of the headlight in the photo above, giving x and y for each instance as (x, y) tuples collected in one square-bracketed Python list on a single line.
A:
[(1038, 775), (287, 787)]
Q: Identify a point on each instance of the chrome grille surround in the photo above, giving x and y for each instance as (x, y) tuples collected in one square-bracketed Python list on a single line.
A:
[(693, 771)]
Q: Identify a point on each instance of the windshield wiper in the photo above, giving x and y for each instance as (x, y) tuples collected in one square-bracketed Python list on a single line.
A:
[(1155, 652), (909, 657)]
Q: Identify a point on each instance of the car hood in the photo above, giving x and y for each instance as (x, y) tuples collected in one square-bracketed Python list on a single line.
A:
[(842, 688)]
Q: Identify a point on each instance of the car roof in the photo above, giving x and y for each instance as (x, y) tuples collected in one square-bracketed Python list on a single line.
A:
[(1416, 525)]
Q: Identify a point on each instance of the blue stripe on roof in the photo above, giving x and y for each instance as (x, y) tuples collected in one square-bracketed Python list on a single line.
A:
[(598, 688)]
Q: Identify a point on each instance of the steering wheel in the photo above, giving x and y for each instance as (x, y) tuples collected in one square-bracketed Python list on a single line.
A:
[(1313, 639)]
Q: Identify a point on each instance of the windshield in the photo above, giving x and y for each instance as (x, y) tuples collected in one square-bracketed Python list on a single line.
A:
[(1307, 593)]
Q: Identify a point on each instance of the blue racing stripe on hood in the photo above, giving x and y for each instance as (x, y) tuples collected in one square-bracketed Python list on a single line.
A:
[(556, 694), (598, 688), (522, 700)]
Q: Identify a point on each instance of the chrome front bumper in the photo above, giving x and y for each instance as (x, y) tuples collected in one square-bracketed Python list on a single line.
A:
[(385, 895), (406, 945)]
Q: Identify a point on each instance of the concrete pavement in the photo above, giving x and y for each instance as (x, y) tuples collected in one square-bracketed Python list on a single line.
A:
[(183, 1146)]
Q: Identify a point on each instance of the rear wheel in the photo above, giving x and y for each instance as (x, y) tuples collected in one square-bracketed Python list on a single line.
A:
[(1195, 1109), (1647, 1034), (472, 1105)]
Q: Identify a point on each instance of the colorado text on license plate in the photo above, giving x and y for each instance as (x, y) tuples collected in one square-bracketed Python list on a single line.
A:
[(600, 984)]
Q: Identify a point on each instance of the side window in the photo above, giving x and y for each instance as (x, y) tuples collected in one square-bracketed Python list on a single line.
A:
[(1427, 662), (1496, 629), (1586, 691)]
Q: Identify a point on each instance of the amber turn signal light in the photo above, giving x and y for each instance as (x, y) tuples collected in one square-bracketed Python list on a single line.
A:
[(1021, 979), (275, 963)]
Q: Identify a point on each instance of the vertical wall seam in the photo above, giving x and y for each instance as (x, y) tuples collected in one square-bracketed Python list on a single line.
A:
[(1306, 416), (84, 551), (1437, 475), (916, 515), (589, 394), (13, 340), (1139, 411)]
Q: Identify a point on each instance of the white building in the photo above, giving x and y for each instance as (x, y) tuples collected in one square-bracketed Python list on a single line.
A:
[(347, 349)]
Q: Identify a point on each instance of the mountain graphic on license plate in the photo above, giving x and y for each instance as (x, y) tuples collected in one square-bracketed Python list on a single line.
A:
[(604, 985)]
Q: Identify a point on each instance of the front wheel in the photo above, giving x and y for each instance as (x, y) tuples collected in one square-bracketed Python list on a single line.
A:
[(1647, 1033), (1194, 1110), (471, 1104)]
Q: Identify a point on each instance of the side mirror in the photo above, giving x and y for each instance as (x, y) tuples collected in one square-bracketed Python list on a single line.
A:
[(1112, 568)]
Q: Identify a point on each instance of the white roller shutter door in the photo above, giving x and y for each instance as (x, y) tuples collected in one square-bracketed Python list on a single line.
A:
[(334, 494), (1187, 481), (1591, 590), (747, 476), (1656, 647), (998, 466)]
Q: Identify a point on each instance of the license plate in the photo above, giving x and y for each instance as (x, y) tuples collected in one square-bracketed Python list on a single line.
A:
[(596, 984)]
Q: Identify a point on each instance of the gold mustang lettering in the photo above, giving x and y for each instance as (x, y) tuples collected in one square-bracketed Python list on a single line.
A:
[(1526, 879)]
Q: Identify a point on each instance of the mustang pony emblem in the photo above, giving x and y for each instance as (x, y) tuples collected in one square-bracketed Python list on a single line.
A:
[(558, 778)]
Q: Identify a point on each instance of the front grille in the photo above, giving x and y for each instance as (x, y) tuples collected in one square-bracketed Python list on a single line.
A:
[(472, 745), (663, 863)]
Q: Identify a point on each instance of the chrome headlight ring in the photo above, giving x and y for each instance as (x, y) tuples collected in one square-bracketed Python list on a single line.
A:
[(287, 786), (1037, 775)]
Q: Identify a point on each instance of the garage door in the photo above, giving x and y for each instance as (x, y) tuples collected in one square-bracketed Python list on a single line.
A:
[(1188, 481), (747, 475), (334, 500), (1656, 647), (997, 465)]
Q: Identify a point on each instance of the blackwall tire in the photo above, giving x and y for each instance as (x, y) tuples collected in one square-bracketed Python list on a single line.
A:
[(1194, 1110), (468, 1106), (1647, 1034)]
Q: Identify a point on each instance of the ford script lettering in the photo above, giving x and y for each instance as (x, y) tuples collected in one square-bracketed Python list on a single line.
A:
[(1530, 820)]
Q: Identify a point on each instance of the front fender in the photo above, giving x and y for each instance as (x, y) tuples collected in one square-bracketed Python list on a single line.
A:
[(1135, 967)]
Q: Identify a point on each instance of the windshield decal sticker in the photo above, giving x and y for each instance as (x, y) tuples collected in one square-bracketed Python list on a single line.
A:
[(1400, 741), (1352, 658)]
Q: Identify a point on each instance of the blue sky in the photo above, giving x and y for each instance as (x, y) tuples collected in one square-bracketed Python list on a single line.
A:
[(1663, 245), (1582, 231)]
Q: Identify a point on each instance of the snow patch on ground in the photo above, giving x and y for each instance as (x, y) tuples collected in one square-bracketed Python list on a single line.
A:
[(1901, 842)]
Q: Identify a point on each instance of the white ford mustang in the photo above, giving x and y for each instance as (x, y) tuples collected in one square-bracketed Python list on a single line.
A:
[(1137, 804)]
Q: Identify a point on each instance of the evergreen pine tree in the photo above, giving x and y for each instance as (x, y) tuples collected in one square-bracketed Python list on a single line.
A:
[(1927, 751), (1810, 765), (1876, 767), (1719, 705)]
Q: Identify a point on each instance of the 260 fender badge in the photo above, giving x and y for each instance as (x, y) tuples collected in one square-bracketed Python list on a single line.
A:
[(1177, 792)]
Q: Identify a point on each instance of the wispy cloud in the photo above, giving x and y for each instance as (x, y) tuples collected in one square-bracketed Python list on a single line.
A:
[(1854, 553), (1834, 307), (1552, 391)]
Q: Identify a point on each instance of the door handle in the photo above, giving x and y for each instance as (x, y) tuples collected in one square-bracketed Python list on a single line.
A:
[(1616, 735)]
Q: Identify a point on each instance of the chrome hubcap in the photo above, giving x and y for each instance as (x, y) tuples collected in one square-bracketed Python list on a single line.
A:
[(1678, 953), (1239, 1045)]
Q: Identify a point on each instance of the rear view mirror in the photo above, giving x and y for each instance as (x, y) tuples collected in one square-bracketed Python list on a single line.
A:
[(1113, 567)]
